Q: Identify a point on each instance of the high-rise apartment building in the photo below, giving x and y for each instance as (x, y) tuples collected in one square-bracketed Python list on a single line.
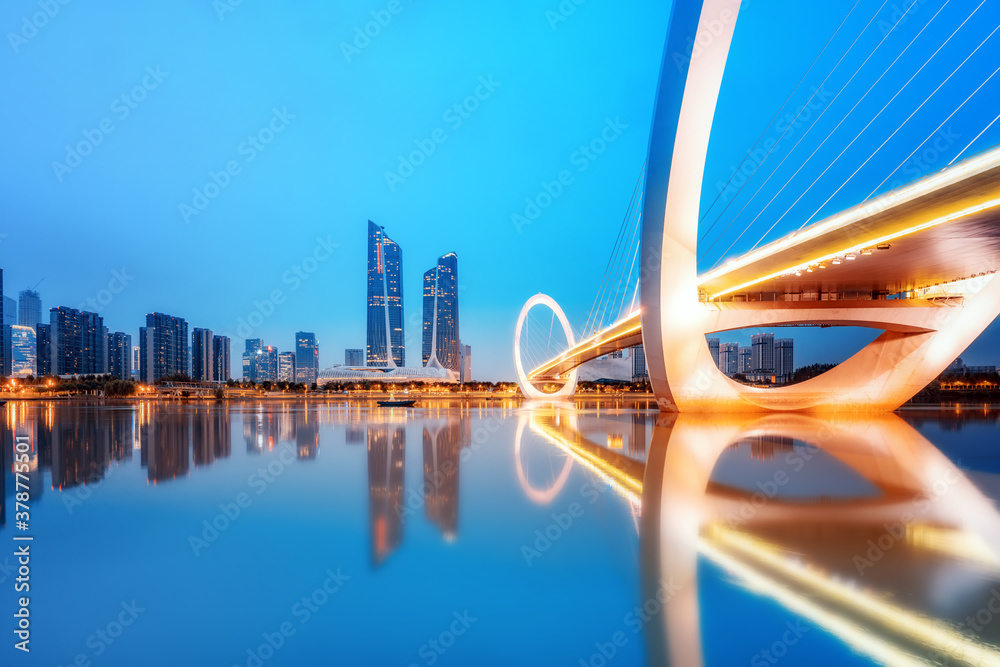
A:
[(713, 347), (78, 342), (784, 359), (268, 369), (640, 371), (135, 362), (386, 345), (306, 357), (163, 347), (729, 358), (762, 355), (202, 355), (9, 312), (286, 367), (120, 355), (354, 357), (220, 358), (745, 364), (440, 347), (29, 308)]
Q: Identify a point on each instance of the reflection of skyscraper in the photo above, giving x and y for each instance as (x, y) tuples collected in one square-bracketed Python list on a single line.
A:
[(165, 446), (210, 435), (637, 443), (385, 300), (80, 449), (306, 433), (260, 431), (442, 448), (386, 452), (440, 334)]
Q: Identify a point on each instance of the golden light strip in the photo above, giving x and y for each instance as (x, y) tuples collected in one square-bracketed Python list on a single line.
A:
[(981, 163), (574, 351), (625, 485), (917, 627), (993, 203)]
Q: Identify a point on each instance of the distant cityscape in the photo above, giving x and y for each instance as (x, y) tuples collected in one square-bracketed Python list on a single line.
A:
[(76, 342), (766, 360)]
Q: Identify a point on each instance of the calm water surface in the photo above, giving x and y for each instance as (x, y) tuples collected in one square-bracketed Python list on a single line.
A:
[(482, 534)]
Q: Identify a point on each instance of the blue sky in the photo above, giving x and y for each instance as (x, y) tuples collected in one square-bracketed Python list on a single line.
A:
[(252, 146)]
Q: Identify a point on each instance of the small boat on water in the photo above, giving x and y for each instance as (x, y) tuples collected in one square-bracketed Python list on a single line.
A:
[(408, 403)]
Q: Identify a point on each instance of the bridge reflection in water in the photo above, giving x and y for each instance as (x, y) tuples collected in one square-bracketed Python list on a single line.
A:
[(860, 525)]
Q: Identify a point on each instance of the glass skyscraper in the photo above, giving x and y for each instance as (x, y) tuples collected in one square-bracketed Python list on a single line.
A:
[(220, 358), (29, 308), (23, 357), (386, 347), (440, 333), (306, 357)]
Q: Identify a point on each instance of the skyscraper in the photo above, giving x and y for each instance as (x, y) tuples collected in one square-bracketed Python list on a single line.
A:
[(784, 359), (220, 358), (306, 357), (762, 359), (465, 363), (23, 351), (251, 359), (354, 357), (729, 358), (3, 353), (745, 364), (386, 347), (268, 369), (713, 347), (640, 371), (78, 342), (163, 347), (120, 355), (29, 310), (286, 367), (9, 312), (202, 355), (135, 362), (43, 350), (440, 333)]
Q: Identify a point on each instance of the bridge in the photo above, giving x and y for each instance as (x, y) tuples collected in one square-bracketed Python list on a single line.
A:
[(917, 262), (802, 552)]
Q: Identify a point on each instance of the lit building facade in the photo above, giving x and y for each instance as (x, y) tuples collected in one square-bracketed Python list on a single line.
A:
[(43, 350), (251, 359), (286, 367), (440, 327), (386, 346), (354, 357), (762, 359), (23, 351), (306, 357), (78, 342), (745, 364), (120, 355), (163, 347), (202, 355)]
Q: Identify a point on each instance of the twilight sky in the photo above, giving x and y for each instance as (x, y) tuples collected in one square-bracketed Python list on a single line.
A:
[(218, 155)]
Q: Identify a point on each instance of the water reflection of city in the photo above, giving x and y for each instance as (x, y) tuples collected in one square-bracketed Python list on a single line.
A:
[(861, 526), (79, 445)]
